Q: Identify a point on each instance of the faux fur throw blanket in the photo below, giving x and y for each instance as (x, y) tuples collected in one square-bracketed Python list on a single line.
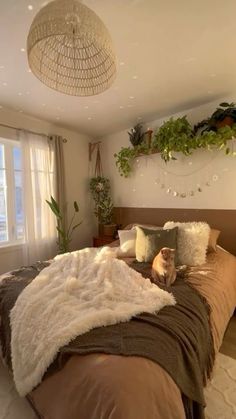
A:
[(79, 291)]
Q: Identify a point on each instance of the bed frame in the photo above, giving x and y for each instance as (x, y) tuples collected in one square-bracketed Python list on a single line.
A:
[(223, 220)]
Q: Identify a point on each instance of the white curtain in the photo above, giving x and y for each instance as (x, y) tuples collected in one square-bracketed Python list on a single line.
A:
[(38, 158)]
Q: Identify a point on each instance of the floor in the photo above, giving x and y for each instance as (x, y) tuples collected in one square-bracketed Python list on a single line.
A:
[(229, 343)]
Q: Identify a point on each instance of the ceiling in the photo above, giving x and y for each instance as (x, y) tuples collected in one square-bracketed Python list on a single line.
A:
[(171, 55)]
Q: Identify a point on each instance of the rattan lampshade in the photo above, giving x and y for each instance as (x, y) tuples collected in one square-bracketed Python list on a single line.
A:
[(70, 49)]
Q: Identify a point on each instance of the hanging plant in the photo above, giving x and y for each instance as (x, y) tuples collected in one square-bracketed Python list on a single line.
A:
[(100, 190), (176, 135), (125, 157)]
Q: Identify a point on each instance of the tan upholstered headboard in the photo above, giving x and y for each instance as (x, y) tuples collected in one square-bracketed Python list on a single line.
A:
[(223, 220)]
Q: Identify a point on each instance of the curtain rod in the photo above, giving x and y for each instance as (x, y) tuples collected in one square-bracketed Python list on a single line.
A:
[(64, 140)]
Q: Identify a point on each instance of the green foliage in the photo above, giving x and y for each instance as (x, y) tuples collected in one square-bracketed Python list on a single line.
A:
[(176, 135), (126, 156), (211, 124), (106, 211), (136, 136), (64, 235), (100, 190)]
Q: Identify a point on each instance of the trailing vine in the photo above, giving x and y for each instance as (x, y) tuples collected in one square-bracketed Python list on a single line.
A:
[(176, 135), (126, 156)]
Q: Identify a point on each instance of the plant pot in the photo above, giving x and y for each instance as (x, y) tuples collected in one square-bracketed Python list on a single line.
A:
[(228, 120), (107, 229)]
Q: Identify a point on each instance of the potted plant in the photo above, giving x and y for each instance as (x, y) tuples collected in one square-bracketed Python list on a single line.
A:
[(103, 210), (224, 115), (174, 135), (64, 234), (136, 136)]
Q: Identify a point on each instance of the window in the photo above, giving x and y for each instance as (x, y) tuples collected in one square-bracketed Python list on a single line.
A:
[(11, 193)]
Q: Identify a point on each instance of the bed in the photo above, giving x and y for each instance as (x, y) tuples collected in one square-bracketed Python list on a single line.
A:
[(110, 386)]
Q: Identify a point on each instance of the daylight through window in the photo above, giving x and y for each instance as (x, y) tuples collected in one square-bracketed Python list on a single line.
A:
[(11, 193)]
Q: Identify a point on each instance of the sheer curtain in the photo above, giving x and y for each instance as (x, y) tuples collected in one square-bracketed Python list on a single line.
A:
[(39, 183)]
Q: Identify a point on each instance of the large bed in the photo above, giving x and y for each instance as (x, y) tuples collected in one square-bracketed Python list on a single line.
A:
[(111, 386)]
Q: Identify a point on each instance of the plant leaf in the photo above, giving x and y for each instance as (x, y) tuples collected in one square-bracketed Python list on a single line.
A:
[(55, 204), (76, 225), (224, 104), (53, 209), (76, 207)]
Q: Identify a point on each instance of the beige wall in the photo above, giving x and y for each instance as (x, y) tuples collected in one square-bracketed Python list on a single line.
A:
[(77, 176), (143, 188)]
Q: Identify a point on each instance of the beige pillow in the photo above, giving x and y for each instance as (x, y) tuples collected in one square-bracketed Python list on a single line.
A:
[(150, 242), (214, 235)]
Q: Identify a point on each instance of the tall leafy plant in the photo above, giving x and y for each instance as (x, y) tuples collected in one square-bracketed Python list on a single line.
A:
[(100, 190), (64, 234)]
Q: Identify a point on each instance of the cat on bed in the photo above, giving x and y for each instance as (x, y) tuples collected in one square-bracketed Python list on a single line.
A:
[(163, 267)]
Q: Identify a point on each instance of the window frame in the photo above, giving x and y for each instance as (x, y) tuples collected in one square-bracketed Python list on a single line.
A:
[(11, 224)]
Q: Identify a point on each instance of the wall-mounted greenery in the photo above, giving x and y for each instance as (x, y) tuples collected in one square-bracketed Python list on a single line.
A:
[(177, 135)]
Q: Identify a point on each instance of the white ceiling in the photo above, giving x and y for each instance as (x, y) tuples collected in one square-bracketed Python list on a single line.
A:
[(171, 55)]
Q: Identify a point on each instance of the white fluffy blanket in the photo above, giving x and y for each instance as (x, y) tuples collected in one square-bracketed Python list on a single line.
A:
[(76, 293)]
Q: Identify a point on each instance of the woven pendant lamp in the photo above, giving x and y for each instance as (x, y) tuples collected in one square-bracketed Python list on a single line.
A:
[(70, 49)]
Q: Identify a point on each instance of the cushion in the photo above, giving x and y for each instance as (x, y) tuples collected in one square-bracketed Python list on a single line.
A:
[(133, 225), (214, 235), (192, 242), (128, 240), (127, 243), (150, 242)]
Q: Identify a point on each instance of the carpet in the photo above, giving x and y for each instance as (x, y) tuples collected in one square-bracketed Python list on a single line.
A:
[(220, 393)]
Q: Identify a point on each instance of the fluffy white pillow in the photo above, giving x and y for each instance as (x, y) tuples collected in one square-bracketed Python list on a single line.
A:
[(192, 242), (127, 242)]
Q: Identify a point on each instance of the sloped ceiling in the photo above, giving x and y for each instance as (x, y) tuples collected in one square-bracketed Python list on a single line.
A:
[(171, 55)]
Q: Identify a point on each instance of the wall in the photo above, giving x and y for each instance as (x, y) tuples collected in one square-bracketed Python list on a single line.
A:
[(76, 172), (153, 183)]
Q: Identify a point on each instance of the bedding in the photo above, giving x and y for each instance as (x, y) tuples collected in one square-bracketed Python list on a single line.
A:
[(78, 292), (192, 242), (150, 242), (211, 247), (127, 239), (213, 238), (103, 386)]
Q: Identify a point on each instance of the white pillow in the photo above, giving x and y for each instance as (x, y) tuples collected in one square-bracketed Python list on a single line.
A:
[(192, 242), (127, 242)]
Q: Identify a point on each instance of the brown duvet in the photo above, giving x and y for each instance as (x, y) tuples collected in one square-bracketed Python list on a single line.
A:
[(101, 386)]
